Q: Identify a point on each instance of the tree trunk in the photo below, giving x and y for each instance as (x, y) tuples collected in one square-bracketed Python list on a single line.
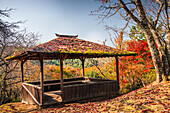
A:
[(154, 53), (162, 54), (158, 55), (168, 48)]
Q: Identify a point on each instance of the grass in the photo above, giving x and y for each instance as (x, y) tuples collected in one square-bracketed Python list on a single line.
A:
[(152, 98)]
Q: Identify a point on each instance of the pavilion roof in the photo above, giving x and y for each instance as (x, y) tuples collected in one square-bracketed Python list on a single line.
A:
[(69, 47)]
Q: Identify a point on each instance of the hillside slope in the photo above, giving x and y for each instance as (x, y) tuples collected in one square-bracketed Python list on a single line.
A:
[(152, 98)]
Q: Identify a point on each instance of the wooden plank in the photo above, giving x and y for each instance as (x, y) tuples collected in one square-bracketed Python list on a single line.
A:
[(52, 97), (84, 91), (91, 90), (64, 83), (98, 89), (73, 93), (64, 96), (77, 92), (102, 88), (111, 87), (105, 88), (30, 100), (69, 92), (36, 93), (73, 79), (81, 88), (27, 83), (95, 89), (108, 90)]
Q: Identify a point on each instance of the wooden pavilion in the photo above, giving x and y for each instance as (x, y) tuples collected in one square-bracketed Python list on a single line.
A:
[(72, 89)]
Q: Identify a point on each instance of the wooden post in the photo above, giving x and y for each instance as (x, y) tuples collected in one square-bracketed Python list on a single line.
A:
[(61, 75), (82, 60), (22, 71), (41, 82), (117, 70)]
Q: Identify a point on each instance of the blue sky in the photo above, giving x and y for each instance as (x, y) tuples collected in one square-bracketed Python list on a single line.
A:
[(48, 17)]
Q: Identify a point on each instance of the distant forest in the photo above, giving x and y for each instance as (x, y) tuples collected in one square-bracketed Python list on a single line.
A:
[(75, 63)]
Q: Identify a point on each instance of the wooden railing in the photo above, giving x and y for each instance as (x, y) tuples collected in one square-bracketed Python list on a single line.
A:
[(30, 94), (74, 89), (89, 90)]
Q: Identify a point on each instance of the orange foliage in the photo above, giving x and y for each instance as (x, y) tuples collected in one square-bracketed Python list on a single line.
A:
[(32, 72)]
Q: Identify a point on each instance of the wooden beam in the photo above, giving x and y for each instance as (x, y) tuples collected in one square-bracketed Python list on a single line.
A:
[(82, 60), (117, 70), (41, 81), (61, 76)]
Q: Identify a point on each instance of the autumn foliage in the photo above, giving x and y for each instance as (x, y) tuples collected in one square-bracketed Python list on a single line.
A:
[(50, 72), (134, 68), (143, 57)]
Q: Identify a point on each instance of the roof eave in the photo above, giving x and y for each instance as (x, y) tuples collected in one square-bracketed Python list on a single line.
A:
[(56, 55)]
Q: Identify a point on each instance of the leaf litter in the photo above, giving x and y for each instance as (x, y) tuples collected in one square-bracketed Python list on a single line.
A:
[(152, 98)]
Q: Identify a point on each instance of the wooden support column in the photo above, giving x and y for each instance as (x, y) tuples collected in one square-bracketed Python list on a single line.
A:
[(61, 75), (82, 60), (22, 71), (117, 70), (22, 78), (41, 81)]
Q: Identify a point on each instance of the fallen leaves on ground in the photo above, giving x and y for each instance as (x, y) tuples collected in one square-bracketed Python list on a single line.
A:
[(152, 98)]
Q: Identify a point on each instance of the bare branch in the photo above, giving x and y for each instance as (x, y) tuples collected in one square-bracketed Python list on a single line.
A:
[(167, 16), (5, 12), (126, 24), (11, 39), (114, 12), (105, 15), (158, 14), (129, 12), (98, 69)]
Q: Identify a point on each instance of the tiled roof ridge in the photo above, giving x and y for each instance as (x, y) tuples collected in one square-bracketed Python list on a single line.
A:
[(69, 36)]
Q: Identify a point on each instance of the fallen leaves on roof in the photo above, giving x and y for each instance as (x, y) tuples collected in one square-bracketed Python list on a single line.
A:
[(75, 45)]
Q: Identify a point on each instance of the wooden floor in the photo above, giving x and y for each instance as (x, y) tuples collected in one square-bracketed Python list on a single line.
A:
[(52, 97)]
